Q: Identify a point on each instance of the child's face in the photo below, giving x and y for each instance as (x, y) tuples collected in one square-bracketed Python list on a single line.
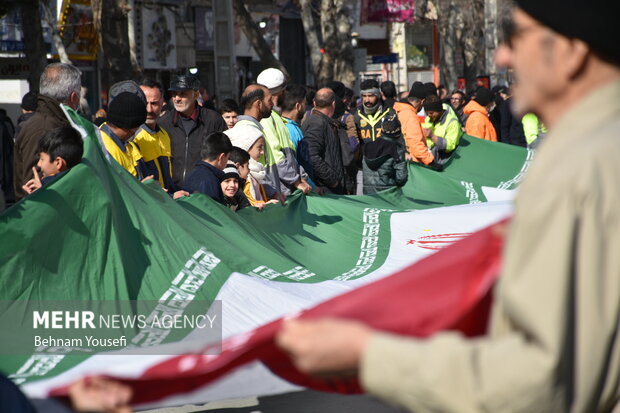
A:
[(244, 169), (230, 186), (258, 149), (48, 166), (230, 118)]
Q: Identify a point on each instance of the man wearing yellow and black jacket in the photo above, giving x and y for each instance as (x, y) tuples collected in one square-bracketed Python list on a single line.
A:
[(370, 117), (126, 113), (152, 140)]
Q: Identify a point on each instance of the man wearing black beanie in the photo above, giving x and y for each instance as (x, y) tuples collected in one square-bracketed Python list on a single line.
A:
[(29, 105), (415, 141), (125, 115), (477, 110), (442, 128), (552, 343), (430, 88)]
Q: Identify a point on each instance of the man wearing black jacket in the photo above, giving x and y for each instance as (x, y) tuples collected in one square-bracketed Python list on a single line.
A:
[(511, 128), (321, 135), (188, 125)]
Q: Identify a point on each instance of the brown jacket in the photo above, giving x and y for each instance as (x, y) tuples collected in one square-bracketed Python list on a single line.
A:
[(412, 132), (48, 116)]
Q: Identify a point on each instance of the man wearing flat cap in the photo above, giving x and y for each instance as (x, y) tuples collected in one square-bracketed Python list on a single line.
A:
[(552, 343), (188, 125)]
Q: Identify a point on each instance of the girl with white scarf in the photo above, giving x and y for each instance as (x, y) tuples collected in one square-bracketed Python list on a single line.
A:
[(250, 139)]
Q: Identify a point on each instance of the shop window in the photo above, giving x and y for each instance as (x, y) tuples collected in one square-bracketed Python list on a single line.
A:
[(419, 46)]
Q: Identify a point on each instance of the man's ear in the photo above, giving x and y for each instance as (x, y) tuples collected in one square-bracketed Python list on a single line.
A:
[(576, 53), (220, 159), (74, 100)]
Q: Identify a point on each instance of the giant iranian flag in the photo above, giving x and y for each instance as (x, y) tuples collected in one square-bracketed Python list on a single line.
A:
[(97, 235)]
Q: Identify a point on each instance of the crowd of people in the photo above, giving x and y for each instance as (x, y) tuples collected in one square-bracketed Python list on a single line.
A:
[(552, 343), (293, 136)]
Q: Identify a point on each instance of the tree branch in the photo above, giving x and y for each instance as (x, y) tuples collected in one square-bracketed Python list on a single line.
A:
[(311, 29), (33, 41), (51, 21), (254, 35)]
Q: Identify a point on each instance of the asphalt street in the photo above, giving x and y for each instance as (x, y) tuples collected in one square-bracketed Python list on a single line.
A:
[(298, 402)]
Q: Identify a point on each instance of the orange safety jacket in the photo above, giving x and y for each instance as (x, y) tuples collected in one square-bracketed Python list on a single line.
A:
[(412, 132), (478, 124)]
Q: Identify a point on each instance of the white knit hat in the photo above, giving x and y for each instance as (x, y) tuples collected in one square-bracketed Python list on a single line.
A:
[(273, 79), (243, 135)]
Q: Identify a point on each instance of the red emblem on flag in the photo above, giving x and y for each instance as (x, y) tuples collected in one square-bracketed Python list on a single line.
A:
[(437, 241)]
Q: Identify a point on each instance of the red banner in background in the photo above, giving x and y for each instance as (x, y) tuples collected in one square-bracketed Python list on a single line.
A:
[(380, 11), (483, 81)]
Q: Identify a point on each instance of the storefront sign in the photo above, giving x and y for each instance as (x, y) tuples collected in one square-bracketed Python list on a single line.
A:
[(14, 68), (77, 30), (205, 29), (158, 39)]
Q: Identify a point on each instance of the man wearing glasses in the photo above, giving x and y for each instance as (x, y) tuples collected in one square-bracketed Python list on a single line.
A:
[(552, 343), (457, 101)]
